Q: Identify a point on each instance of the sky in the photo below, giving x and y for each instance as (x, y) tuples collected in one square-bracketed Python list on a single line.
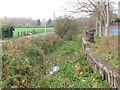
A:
[(36, 9), (30, 8)]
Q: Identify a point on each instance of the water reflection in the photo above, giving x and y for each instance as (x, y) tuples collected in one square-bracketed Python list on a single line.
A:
[(52, 70), (113, 31)]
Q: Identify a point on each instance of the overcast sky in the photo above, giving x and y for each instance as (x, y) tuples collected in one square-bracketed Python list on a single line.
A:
[(42, 9)]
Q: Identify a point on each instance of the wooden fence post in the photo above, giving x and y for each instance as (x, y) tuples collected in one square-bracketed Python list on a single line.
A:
[(21, 33), (18, 34), (24, 33)]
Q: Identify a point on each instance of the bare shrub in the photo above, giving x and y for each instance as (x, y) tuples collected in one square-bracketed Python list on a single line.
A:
[(66, 27), (17, 45), (51, 43)]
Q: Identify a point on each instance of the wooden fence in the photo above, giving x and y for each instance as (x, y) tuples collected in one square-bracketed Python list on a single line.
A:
[(25, 33), (108, 72)]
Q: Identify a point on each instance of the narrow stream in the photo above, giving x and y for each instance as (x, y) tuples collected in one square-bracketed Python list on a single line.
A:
[(52, 70), (55, 67)]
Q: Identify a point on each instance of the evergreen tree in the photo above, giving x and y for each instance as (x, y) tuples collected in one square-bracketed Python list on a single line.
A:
[(49, 21), (38, 22), (6, 30)]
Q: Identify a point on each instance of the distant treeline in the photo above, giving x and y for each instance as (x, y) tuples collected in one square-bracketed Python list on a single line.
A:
[(26, 22)]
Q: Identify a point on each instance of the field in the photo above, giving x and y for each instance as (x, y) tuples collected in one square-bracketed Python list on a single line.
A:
[(39, 30)]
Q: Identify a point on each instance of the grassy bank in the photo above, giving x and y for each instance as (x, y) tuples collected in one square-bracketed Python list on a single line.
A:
[(108, 48), (22, 60), (24, 64), (75, 72)]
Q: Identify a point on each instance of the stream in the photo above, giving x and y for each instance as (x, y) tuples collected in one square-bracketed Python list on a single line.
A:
[(56, 67)]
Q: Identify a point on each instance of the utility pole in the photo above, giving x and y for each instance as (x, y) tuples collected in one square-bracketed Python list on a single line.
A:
[(45, 24)]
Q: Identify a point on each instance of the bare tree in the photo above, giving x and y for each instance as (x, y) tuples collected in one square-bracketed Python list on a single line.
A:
[(100, 9)]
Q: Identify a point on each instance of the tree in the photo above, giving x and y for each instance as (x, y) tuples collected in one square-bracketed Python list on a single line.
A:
[(49, 21), (19, 22), (38, 22), (7, 30), (107, 24), (97, 8)]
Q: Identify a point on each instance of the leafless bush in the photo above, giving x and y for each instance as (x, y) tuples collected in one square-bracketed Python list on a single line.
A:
[(66, 27)]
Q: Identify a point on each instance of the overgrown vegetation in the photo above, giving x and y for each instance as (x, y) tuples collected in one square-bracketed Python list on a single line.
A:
[(108, 47), (23, 60), (24, 64), (75, 72)]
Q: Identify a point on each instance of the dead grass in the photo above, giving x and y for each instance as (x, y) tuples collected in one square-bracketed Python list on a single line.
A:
[(16, 46), (108, 48)]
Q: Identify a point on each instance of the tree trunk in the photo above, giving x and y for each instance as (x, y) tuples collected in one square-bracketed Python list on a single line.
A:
[(108, 19), (96, 26), (101, 26)]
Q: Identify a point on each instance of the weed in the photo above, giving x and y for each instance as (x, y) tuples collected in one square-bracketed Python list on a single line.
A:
[(23, 64), (75, 72), (108, 48)]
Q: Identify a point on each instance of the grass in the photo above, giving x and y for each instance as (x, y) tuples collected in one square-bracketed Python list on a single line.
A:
[(39, 30), (108, 48), (75, 72), (24, 64)]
